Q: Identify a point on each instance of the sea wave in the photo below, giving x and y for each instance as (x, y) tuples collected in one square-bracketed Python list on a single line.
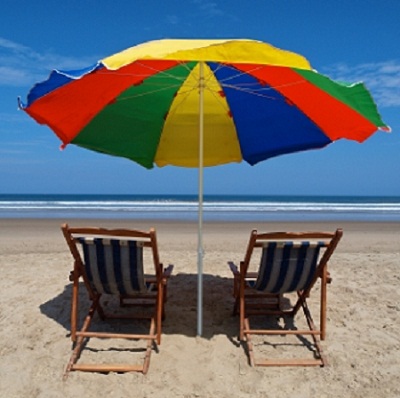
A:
[(251, 208)]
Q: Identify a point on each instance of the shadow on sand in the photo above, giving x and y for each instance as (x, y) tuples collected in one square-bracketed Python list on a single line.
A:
[(181, 307)]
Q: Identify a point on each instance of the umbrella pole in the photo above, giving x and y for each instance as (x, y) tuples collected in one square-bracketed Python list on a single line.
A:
[(200, 251)]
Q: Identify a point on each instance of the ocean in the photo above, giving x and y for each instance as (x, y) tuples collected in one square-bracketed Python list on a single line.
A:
[(216, 207)]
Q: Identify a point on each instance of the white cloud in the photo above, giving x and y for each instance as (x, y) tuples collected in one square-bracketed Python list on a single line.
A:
[(172, 19), (10, 117), (10, 76), (22, 66), (210, 8), (381, 78), (14, 148)]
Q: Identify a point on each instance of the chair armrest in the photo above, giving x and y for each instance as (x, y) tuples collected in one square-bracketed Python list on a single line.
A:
[(233, 268), (168, 271)]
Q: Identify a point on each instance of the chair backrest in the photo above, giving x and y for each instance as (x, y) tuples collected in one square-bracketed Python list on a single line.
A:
[(287, 266), (290, 261), (111, 260), (113, 266)]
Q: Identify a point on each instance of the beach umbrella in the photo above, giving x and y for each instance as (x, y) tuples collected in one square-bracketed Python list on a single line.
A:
[(199, 103)]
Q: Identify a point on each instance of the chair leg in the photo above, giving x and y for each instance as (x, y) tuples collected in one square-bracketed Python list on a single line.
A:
[(159, 311), (249, 343), (149, 347), (84, 334), (235, 306), (322, 318), (242, 318), (80, 340), (312, 327), (74, 308), (247, 332)]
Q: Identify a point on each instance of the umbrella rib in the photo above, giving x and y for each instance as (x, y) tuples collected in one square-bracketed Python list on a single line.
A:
[(145, 75), (221, 66), (238, 73), (245, 87), (259, 93), (146, 93), (251, 92), (159, 73), (223, 83), (184, 95), (186, 92), (167, 74), (218, 97), (234, 87)]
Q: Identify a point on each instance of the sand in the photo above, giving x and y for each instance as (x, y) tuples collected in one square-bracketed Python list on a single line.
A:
[(363, 331)]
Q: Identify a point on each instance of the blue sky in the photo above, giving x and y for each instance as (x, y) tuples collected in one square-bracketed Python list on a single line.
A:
[(348, 40)]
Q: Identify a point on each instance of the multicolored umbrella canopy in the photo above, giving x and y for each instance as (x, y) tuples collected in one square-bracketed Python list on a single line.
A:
[(195, 103), (258, 102)]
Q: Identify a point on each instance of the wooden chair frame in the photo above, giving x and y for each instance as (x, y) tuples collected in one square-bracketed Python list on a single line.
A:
[(245, 295), (157, 299)]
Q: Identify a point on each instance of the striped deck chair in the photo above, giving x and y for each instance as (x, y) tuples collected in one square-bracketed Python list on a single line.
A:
[(289, 262), (111, 263)]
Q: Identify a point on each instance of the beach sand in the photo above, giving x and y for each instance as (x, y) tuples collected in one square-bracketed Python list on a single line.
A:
[(363, 329)]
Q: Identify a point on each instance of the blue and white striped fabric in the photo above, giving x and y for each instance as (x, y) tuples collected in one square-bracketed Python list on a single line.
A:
[(113, 266), (287, 266)]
